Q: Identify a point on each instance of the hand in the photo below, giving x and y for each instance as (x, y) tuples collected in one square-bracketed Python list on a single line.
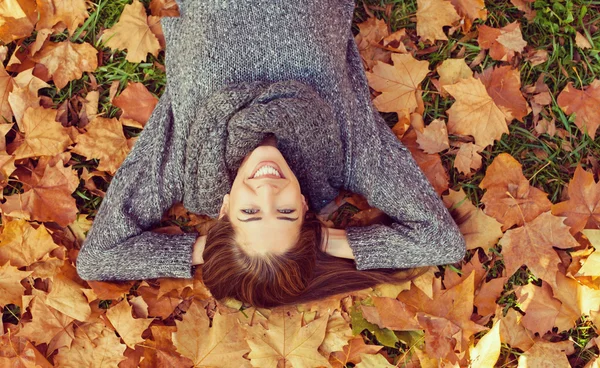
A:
[(337, 243), (198, 250)]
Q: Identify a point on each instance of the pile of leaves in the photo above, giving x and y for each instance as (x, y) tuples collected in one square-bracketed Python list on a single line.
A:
[(516, 163)]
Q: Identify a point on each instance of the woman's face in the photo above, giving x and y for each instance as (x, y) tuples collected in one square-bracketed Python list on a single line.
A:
[(267, 211)]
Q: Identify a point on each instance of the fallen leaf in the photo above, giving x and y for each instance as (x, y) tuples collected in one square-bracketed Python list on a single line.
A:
[(543, 352), (23, 245), (130, 329), (470, 10), (582, 42), (503, 84), (371, 32), (591, 266), (487, 351), (540, 307), (136, 102), (399, 84), (164, 8), (431, 165), (132, 33), (432, 17), (532, 245), (10, 281), (337, 334), (44, 136), (509, 197), (66, 61), (17, 18), (475, 112), (391, 314), (584, 103), (503, 43), (373, 361), (468, 158), (526, 7), (582, 209), (434, 137), (66, 13), (512, 331), (47, 324), (6, 87), (451, 71), (352, 352)]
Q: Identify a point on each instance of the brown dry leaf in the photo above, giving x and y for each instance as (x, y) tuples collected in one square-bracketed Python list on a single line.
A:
[(104, 140), (44, 136), (136, 102), (390, 313), (160, 307), (47, 324), (475, 112), (18, 352), (337, 334), (17, 18), (66, 61), (129, 328), (451, 71), (399, 84), (470, 10), (503, 42), (374, 361), (432, 17), (47, 197), (10, 282), (503, 84), (161, 352), (582, 209), (526, 7), (431, 165), (487, 351), (433, 138), (582, 42), (164, 8), (23, 245), (371, 32), (6, 87), (468, 158), (95, 345), (591, 266), (442, 337), (509, 197), (132, 33), (478, 229), (352, 352), (576, 300), (540, 307), (222, 345), (286, 342), (66, 13), (532, 244), (543, 352), (485, 298), (67, 297), (512, 331), (25, 94), (584, 103)]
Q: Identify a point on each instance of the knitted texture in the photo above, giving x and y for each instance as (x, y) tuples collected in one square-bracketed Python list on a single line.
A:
[(210, 116)]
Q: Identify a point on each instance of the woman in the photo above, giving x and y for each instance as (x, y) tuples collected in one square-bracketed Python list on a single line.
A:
[(259, 82)]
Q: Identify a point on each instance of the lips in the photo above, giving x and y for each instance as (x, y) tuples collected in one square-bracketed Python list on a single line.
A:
[(269, 163)]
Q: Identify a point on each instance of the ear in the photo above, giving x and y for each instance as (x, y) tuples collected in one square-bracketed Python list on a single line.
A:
[(224, 206), (304, 205)]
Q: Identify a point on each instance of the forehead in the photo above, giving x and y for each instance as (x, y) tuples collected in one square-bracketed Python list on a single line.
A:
[(262, 240)]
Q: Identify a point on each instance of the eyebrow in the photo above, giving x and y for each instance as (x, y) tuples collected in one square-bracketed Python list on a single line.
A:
[(260, 218)]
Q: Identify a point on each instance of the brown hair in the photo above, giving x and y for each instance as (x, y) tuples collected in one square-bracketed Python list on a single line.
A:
[(303, 273)]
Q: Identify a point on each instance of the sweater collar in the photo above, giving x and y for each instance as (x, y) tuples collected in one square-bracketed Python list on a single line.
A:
[(234, 120)]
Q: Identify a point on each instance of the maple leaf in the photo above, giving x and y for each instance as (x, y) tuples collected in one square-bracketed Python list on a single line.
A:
[(398, 83), (487, 351), (532, 244), (164, 8), (540, 307), (66, 13), (451, 71), (25, 94), (132, 33), (470, 10), (512, 331), (17, 18), (503, 42), (431, 165), (47, 324), (67, 298), (526, 7), (136, 102), (161, 351), (95, 345), (160, 307), (352, 352), (18, 352), (542, 352), (10, 281), (6, 87), (485, 298), (591, 267), (337, 334), (374, 361), (66, 61), (584, 103), (371, 32), (478, 229), (286, 341), (509, 197), (475, 112), (23, 245), (129, 328), (503, 84), (44, 136), (390, 313), (442, 337), (468, 158), (104, 140), (220, 346), (432, 138), (48, 197), (582, 209), (432, 16)]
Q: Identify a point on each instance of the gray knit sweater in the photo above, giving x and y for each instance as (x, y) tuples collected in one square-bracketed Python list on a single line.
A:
[(236, 70)]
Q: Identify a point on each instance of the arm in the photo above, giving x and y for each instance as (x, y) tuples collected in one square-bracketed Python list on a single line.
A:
[(120, 245), (423, 232)]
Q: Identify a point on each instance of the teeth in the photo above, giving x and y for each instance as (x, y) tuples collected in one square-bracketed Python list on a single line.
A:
[(266, 170)]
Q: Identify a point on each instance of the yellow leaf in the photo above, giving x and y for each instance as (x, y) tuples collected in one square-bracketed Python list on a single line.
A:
[(129, 328), (487, 351), (432, 16)]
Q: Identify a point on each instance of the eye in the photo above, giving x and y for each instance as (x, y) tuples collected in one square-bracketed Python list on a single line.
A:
[(246, 211), (249, 213)]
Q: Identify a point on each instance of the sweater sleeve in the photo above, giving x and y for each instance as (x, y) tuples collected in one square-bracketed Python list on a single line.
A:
[(120, 245), (423, 232)]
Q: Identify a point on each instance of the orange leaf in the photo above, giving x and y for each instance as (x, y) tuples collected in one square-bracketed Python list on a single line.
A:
[(509, 197), (132, 33), (431, 165), (129, 328), (470, 10), (540, 307), (23, 245), (503, 84), (468, 158), (10, 281), (6, 87), (17, 18), (503, 42), (164, 8), (352, 352), (432, 16), (44, 136), (543, 352), (66, 61), (69, 13), (136, 102), (47, 324), (584, 103), (532, 244), (371, 32)]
